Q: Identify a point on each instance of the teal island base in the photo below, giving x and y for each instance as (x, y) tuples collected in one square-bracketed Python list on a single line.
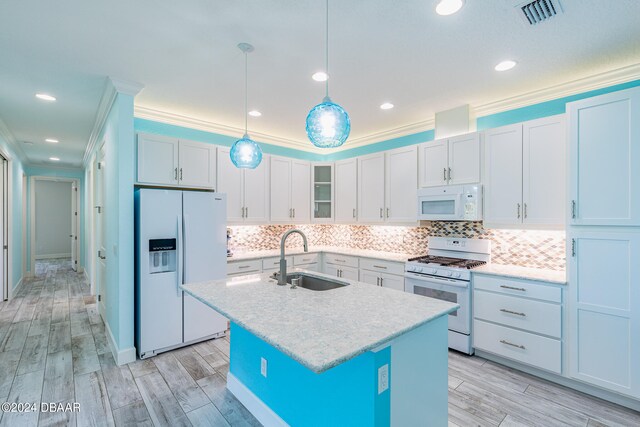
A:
[(401, 383)]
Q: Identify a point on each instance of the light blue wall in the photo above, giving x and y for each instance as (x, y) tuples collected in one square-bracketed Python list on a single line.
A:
[(57, 173)]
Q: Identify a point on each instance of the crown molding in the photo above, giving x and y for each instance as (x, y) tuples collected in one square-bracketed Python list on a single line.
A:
[(573, 87), (126, 87), (147, 113), (48, 165), (7, 135)]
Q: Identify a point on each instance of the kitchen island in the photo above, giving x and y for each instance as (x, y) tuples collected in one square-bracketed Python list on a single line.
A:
[(355, 355)]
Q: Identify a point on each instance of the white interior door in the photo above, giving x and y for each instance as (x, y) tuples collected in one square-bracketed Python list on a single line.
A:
[(100, 222), (74, 226), (371, 188), (346, 193), (433, 163), (402, 185), (4, 228)]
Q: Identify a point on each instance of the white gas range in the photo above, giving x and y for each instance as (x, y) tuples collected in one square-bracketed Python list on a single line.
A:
[(444, 273)]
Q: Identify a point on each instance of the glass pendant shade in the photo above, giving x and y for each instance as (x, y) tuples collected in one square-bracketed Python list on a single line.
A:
[(246, 153), (328, 124)]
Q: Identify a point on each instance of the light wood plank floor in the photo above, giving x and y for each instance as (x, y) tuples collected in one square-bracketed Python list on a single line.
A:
[(53, 348)]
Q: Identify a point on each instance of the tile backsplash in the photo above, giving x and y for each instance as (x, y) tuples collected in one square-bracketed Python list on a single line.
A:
[(526, 248)]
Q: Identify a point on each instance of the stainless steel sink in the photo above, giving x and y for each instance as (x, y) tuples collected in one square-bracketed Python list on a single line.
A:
[(313, 283)]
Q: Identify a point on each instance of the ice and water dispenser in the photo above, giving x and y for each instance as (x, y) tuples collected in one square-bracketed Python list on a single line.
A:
[(162, 255)]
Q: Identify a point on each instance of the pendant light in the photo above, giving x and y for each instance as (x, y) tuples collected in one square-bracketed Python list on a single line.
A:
[(245, 152), (328, 124)]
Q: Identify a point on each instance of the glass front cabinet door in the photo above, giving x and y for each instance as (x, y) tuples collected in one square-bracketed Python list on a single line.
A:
[(323, 193)]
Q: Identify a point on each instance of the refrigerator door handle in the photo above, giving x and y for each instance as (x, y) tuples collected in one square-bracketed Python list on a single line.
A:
[(179, 277), (185, 231)]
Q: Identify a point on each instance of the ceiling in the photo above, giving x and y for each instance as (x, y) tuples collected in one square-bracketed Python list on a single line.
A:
[(185, 55)]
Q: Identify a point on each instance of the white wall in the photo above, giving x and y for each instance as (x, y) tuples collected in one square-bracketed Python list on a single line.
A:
[(53, 218)]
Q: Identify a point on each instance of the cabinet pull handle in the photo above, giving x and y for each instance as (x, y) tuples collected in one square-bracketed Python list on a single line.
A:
[(512, 344), (377, 281), (573, 209), (242, 211), (294, 212), (525, 210), (573, 247), (243, 266), (354, 212), (175, 174), (290, 214), (449, 174), (380, 266), (381, 214), (246, 212), (518, 210), (180, 174), (381, 281), (444, 174), (340, 260), (513, 289), (339, 273), (504, 310), (388, 213)]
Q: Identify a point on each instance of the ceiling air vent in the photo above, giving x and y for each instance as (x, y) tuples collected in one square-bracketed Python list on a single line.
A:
[(540, 10)]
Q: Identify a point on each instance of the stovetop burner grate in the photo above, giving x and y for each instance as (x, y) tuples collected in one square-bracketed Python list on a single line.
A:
[(448, 262)]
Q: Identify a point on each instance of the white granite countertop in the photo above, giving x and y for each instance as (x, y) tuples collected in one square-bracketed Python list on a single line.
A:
[(364, 253), (552, 276), (319, 329)]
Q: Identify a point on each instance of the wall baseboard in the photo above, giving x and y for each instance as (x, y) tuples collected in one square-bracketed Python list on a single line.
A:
[(122, 357), (16, 288), (52, 256), (257, 407)]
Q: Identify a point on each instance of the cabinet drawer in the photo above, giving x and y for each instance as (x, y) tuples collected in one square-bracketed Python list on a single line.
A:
[(535, 350), (388, 267), (517, 287), (248, 266), (274, 262), (344, 260), (302, 259), (534, 316)]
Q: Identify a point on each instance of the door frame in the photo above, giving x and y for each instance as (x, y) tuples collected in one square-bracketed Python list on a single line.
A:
[(32, 214), (7, 291)]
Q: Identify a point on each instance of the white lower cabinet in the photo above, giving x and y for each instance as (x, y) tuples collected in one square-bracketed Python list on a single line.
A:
[(604, 309), (382, 273), (239, 268), (519, 319), (349, 273)]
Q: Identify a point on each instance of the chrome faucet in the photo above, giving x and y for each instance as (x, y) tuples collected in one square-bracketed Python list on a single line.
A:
[(282, 280)]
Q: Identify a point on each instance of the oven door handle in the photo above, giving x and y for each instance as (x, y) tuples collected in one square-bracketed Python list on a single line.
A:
[(439, 280)]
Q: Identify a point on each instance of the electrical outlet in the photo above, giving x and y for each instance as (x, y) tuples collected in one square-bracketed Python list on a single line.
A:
[(263, 367), (383, 378)]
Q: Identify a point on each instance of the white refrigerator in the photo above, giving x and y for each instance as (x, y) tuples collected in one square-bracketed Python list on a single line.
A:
[(180, 237)]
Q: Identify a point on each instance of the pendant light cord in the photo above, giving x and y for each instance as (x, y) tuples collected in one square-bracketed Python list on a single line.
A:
[(327, 52), (246, 91)]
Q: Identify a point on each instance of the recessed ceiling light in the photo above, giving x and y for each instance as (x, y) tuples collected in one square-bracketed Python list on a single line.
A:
[(386, 106), (45, 97), (505, 65), (255, 113), (449, 7), (51, 140), (54, 159), (320, 76)]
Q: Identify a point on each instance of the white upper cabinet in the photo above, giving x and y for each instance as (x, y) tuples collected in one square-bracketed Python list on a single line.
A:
[(371, 183), (323, 193), (197, 164), (605, 159), (503, 178), (544, 171), (346, 192), (301, 191), (157, 159), (247, 190), (290, 190), (387, 186), (434, 163), (454, 160), (401, 190), (525, 170), (170, 161), (464, 159)]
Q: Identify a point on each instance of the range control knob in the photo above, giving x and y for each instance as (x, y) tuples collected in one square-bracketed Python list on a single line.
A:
[(411, 268), (449, 273), (434, 271), (419, 269), (457, 275)]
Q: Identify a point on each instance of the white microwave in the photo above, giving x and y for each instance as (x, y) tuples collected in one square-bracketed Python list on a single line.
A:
[(450, 203)]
